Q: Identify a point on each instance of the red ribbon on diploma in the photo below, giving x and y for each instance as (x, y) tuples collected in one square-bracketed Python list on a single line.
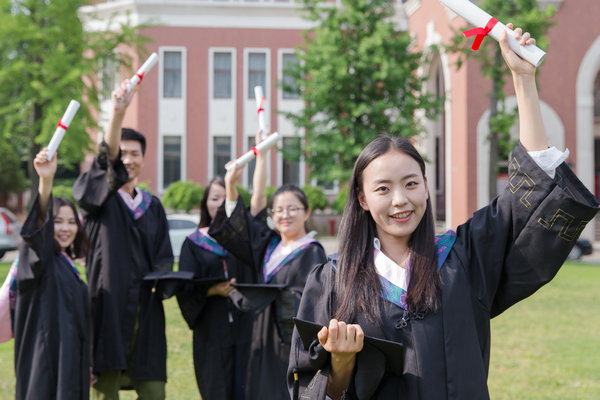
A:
[(60, 125), (254, 150), (260, 107), (141, 76), (481, 33)]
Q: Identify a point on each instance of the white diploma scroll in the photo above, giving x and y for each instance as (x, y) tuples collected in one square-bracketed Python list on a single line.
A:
[(139, 75), (266, 143), (260, 99), (476, 16), (61, 128)]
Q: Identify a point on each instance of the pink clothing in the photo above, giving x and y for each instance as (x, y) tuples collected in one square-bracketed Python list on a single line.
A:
[(132, 202)]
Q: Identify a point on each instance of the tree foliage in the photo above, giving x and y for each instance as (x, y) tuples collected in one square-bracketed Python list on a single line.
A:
[(183, 195), (316, 197), (357, 78), (522, 13), (47, 59)]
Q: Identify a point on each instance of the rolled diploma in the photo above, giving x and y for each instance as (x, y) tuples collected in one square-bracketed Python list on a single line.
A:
[(267, 143), (59, 133), (476, 16), (146, 66), (259, 96)]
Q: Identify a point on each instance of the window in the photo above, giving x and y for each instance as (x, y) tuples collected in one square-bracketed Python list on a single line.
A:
[(109, 76), (291, 168), (222, 76), (251, 164), (597, 97), (257, 72), (289, 61), (171, 160), (172, 74), (221, 154)]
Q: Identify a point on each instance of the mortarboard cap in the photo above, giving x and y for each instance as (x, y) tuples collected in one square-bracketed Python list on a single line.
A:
[(254, 296), (168, 283), (391, 351)]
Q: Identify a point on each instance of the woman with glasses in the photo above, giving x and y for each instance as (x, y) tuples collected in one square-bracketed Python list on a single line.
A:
[(281, 258)]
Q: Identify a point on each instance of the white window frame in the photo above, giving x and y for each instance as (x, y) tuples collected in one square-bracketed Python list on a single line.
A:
[(212, 131), (183, 101)]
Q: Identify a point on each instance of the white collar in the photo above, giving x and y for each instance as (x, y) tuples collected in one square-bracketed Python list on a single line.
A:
[(387, 268)]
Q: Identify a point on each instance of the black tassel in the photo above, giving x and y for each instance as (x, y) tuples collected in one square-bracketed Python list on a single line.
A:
[(296, 384)]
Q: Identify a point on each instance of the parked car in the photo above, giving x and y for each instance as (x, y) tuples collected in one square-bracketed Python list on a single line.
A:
[(180, 226), (10, 231), (582, 247)]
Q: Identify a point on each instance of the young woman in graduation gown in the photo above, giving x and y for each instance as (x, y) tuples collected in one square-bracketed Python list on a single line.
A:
[(51, 314), (283, 256), (222, 333), (435, 296)]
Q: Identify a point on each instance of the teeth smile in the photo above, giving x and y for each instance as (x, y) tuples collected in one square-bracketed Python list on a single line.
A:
[(401, 214)]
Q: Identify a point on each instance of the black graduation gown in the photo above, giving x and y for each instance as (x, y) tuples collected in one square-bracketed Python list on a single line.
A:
[(125, 248), (51, 318), (502, 255), (248, 238), (217, 342)]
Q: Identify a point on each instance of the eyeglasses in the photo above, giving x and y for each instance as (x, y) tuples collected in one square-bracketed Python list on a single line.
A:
[(292, 211)]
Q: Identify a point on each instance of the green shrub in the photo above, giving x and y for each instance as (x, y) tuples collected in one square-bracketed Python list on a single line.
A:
[(270, 192), (63, 191), (244, 193), (145, 185), (183, 195), (316, 197), (340, 200)]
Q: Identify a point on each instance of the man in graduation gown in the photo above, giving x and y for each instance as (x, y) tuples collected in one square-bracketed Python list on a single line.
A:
[(129, 235)]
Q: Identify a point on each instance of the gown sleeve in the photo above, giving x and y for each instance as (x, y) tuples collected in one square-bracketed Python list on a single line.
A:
[(94, 187), (518, 242), (163, 252), (39, 251), (245, 236), (192, 298)]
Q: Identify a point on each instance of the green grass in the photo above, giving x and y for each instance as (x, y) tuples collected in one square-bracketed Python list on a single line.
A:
[(546, 347)]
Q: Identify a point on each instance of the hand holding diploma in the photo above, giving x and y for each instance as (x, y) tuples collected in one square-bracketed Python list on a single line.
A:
[(139, 75), (61, 128), (266, 144), (487, 25)]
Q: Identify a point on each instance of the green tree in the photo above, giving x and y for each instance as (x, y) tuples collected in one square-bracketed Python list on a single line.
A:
[(522, 13), (47, 59), (183, 195), (356, 75), (316, 197)]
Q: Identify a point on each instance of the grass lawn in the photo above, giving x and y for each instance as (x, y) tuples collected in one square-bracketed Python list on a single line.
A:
[(546, 347)]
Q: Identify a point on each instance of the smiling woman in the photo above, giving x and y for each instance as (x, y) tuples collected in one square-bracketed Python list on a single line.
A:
[(434, 296)]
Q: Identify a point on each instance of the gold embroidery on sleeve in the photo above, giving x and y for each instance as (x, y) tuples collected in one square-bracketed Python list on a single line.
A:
[(567, 220), (516, 181)]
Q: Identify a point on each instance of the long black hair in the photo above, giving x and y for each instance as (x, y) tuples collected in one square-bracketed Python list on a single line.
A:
[(357, 283), (205, 218), (81, 244)]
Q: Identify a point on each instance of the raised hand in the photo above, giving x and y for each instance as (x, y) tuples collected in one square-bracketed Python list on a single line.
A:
[(121, 98), (516, 64), (44, 168)]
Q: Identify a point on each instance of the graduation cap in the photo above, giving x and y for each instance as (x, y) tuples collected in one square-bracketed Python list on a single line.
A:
[(168, 283), (254, 296), (373, 348)]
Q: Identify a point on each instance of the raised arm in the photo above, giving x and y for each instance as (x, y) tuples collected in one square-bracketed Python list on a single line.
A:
[(259, 181), (46, 170), (532, 133), (121, 100)]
